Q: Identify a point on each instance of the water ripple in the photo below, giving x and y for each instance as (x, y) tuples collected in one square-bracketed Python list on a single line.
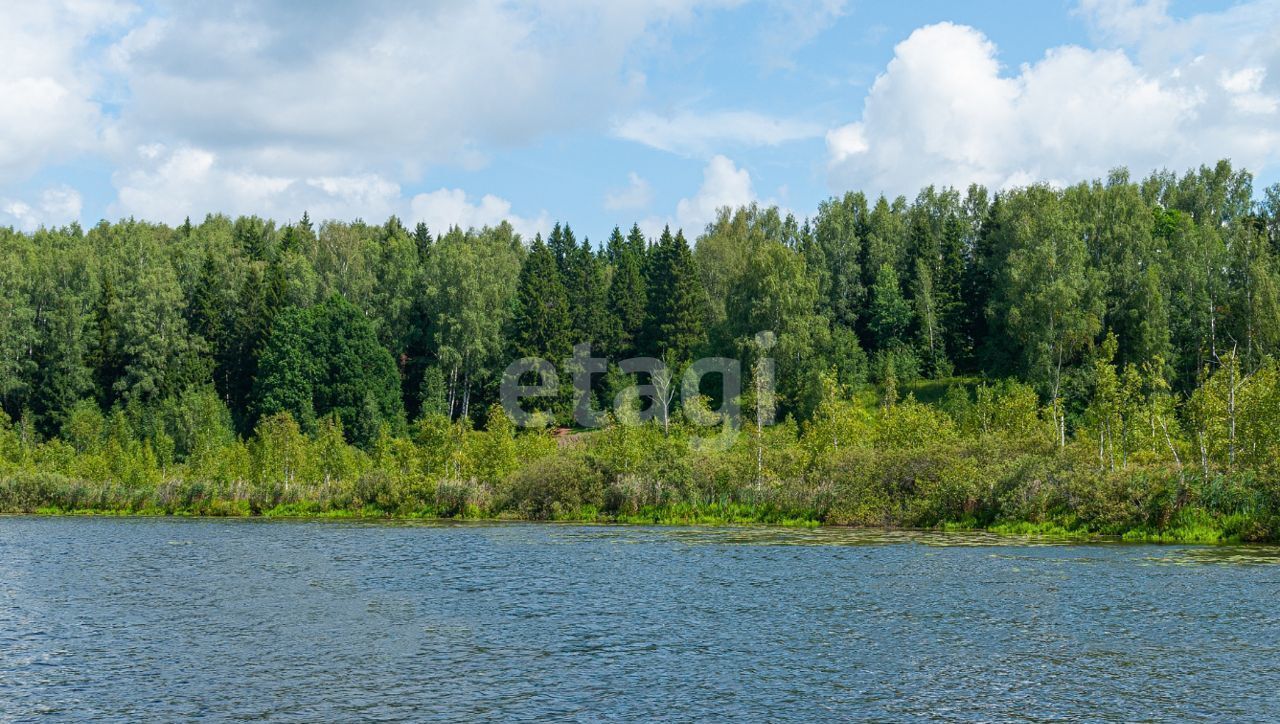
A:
[(160, 619)]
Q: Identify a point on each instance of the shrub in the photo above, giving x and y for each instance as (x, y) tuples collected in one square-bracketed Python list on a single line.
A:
[(555, 487), (27, 491), (461, 497)]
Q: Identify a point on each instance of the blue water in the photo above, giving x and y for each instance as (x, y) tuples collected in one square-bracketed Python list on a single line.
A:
[(159, 619)]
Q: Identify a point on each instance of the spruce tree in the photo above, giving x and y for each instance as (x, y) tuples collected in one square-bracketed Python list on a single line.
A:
[(104, 351), (890, 313), (562, 243), (326, 360), (627, 297), (675, 325), (422, 241), (210, 315), (542, 325), (587, 288)]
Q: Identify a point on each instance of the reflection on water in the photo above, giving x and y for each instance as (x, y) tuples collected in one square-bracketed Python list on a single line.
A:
[(161, 619)]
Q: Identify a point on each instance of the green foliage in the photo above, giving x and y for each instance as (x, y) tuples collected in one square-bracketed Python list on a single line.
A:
[(555, 487), (676, 322), (543, 327), (1117, 342), (627, 296), (326, 359), (890, 313)]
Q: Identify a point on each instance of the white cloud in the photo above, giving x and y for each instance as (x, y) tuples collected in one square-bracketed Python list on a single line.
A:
[(723, 184), (637, 195), (846, 142), (1245, 87), (48, 112), (306, 92), (697, 134), (942, 112), (945, 112), (1245, 80), (57, 205), (172, 184), (1125, 21), (446, 208), (265, 107)]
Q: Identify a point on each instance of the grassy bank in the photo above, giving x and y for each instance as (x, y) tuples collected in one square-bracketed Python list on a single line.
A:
[(978, 457), (1144, 521), (1208, 533)]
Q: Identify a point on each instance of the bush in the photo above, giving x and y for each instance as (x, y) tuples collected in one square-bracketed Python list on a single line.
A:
[(27, 491), (629, 494), (457, 497), (859, 497), (554, 487)]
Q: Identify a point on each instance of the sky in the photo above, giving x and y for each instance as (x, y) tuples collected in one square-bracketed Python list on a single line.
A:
[(608, 113)]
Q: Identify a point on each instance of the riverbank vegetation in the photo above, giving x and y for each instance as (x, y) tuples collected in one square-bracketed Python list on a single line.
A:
[(1089, 360)]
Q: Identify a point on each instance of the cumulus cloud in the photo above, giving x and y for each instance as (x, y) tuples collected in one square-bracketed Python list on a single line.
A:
[(637, 195), (427, 83), (170, 184), (944, 111), (288, 106), (48, 112), (447, 208), (723, 184), (56, 206), (695, 134)]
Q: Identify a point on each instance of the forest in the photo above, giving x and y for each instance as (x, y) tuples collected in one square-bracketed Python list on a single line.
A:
[(1094, 359)]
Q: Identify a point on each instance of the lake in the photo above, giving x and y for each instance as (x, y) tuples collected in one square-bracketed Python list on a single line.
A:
[(137, 618)]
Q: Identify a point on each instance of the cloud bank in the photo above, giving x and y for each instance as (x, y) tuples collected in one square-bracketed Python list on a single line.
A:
[(1167, 93)]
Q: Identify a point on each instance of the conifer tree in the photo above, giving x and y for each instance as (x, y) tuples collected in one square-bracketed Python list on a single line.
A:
[(327, 360), (104, 351), (211, 315), (587, 288), (675, 324), (890, 313), (627, 297), (562, 243), (542, 324)]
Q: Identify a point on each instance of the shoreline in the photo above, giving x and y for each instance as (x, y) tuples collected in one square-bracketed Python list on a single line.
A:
[(1009, 530)]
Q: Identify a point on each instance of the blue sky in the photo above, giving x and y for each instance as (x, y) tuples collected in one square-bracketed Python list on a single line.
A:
[(654, 112)]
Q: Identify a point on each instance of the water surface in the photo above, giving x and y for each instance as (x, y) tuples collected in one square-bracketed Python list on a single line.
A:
[(157, 619)]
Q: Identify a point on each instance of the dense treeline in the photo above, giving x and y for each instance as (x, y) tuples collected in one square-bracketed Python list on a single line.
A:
[(1111, 341)]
